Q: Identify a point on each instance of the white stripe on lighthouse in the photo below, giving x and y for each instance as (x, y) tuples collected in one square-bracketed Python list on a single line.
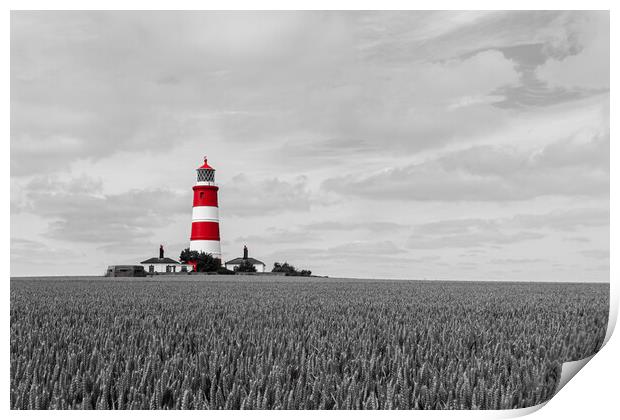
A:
[(208, 247), (205, 213)]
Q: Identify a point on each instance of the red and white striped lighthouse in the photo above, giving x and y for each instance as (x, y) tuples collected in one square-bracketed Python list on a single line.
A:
[(205, 215)]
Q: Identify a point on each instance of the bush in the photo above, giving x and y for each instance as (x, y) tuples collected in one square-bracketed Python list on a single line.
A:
[(224, 270), (204, 262), (245, 267), (289, 270)]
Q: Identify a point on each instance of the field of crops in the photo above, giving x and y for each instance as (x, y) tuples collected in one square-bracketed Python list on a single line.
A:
[(287, 344)]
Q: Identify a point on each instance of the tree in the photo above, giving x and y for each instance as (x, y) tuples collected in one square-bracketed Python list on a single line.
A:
[(289, 270), (283, 268), (224, 270), (202, 261), (245, 267)]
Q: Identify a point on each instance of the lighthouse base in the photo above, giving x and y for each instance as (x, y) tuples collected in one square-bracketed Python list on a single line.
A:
[(208, 247)]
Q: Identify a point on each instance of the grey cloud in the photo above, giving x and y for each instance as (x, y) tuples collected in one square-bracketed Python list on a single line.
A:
[(435, 34), (491, 173), (599, 254), (135, 247), (564, 220), (109, 82), (474, 252), (505, 261), (455, 226), (467, 265), (467, 233), (99, 83), (371, 90), (520, 37), (601, 267), (76, 213), (348, 226), (293, 253), (583, 61), (140, 248), (245, 196), (537, 93), (316, 231), (581, 239), (358, 250), (531, 91), (560, 220), (504, 161), (473, 239), (393, 106), (26, 250), (278, 236), (365, 249), (526, 55)]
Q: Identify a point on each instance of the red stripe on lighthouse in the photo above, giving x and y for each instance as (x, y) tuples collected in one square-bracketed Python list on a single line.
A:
[(205, 195), (206, 231)]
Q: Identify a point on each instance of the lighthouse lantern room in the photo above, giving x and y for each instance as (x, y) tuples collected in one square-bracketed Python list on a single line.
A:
[(205, 234)]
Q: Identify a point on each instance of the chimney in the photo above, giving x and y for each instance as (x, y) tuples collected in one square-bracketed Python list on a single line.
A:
[(245, 252), (161, 251)]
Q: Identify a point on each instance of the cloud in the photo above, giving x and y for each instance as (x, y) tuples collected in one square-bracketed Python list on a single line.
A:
[(279, 236), (78, 211), (564, 220), (365, 248), (26, 251), (468, 233), (471, 239), (536, 93), (491, 173), (441, 35), (314, 232), (243, 196), (559, 55), (535, 87), (349, 226), (350, 130), (396, 109), (586, 65), (367, 79), (599, 254), (603, 268), (180, 78), (354, 249), (580, 239), (509, 261)]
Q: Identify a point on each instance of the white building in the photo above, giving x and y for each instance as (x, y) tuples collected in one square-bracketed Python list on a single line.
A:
[(234, 264), (163, 265)]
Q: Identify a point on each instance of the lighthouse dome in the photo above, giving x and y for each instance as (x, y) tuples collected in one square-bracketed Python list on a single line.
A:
[(205, 165), (206, 174)]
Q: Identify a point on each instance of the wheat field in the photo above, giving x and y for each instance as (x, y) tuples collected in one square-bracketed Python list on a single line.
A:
[(234, 342)]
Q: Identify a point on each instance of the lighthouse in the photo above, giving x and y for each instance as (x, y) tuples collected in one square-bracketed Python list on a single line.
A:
[(205, 235)]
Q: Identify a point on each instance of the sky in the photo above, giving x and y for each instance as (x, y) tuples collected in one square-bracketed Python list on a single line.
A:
[(406, 145)]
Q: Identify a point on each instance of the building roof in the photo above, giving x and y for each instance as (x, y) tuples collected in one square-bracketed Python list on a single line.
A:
[(206, 165), (240, 260), (156, 260)]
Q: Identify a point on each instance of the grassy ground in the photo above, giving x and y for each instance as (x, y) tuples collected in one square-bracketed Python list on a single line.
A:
[(271, 342)]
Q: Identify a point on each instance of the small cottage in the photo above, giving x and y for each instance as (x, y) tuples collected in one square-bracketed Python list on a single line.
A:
[(164, 265), (258, 265)]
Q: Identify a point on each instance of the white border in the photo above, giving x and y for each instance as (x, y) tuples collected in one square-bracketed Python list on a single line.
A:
[(592, 394), (308, 5)]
